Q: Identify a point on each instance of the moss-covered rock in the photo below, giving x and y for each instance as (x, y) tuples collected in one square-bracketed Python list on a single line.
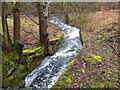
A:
[(21, 67), (22, 75), (58, 37), (28, 51), (68, 81), (14, 73), (7, 81), (17, 83), (94, 59), (55, 44), (39, 50)]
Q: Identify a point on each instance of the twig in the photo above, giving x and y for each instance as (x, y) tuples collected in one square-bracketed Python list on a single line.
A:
[(32, 34), (117, 52), (30, 18), (35, 36), (28, 43)]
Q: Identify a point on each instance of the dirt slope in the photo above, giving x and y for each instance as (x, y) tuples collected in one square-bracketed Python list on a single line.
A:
[(96, 65)]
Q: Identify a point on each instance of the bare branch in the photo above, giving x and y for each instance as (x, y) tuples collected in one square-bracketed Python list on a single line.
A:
[(30, 17), (35, 36)]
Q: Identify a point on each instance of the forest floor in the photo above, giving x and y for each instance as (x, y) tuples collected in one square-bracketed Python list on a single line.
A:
[(96, 65), (30, 31)]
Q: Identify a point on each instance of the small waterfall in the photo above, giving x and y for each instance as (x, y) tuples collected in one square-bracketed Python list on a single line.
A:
[(47, 6), (51, 68)]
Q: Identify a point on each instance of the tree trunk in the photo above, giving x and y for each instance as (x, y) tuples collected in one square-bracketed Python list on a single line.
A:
[(65, 13), (49, 12), (42, 27), (4, 25), (16, 22), (66, 17), (7, 31)]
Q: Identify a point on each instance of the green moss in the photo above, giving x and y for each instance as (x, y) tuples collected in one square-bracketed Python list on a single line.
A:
[(33, 51), (18, 72), (10, 57), (8, 64), (81, 70), (72, 20), (21, 67), (22, 75), (94, 59), (64, 81), (66, 78), (97, 85), (65, 72), (68, 81), (29, 58), (111, 84), (17, 83), (6, 82), (28, 51), (74, 57), (10, 71), (38, 48), (54, 39), (37, 54), (55, 43), (50, 49), (58, 37), (103, 84)]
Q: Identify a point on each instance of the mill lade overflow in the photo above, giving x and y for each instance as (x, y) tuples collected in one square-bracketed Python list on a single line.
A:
[(48, 72)]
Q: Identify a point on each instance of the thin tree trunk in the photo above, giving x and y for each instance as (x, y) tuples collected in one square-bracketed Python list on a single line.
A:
[(17, 42), (42, 27), (16, 22), (4, 23), (65, 13), (66, 17), (8, 34), (49, 12), (40, 20)]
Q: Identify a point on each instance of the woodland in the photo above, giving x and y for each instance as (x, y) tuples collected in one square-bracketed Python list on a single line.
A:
[(33, 33)]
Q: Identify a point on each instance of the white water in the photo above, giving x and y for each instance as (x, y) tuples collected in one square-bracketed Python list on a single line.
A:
[(47, 6), (51, 68)]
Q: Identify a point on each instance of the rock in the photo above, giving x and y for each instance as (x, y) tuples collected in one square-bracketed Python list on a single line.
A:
[(55, 38), (55, 44), (94, 59)]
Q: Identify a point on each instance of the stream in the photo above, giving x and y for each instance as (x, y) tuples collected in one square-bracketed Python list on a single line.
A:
[(48, 72)]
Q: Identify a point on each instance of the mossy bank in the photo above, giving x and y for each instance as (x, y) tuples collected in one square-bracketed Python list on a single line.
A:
[(96, 66), (15, 71)]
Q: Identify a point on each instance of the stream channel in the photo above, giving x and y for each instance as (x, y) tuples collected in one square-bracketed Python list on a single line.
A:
[(48, 72)]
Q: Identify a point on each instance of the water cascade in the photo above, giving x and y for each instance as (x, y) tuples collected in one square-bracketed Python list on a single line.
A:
[(48, 72)]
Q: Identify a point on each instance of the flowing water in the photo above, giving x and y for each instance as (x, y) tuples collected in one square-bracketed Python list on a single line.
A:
[(51, 68)]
